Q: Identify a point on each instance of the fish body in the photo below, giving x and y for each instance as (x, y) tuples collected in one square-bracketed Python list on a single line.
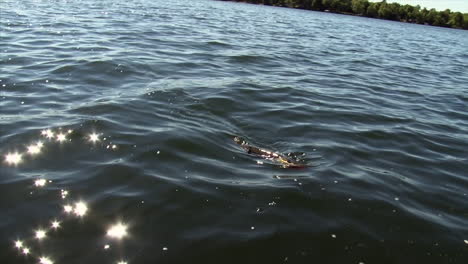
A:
[(283, 160)]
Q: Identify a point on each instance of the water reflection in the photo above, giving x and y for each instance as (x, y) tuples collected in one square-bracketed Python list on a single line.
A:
[(48, 133), (13, 158), (93, 137), (45, 260), (61, 137), (18, 244), (77, 208), (117, 231), (80, 209), (68, 208), (26, 251), (34, 149), (55, 224), (40, 182), (63, 193), (40, 234)]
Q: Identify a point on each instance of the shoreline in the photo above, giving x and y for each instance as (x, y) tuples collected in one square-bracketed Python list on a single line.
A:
[(377, 10)]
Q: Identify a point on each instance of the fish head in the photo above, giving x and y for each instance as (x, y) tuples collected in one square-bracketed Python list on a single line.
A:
[(239, 141)]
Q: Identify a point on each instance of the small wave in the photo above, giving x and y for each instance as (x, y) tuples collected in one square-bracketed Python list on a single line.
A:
[(217, 43), (247, 59)]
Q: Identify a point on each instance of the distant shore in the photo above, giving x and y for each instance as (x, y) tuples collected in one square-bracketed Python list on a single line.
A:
[(381, 10)]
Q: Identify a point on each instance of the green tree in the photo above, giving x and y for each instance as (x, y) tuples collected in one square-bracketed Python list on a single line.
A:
[(465, 21), (373, 10), (456, 20), (405, 12), (415, 13), (359, 6), (439, 21), (303, 4), (316, 5), (329, 4), (421, 18), (344, 6), (307, 4), (392, 11), (389, 11), (384, 11), (446, 14), (430, 16)]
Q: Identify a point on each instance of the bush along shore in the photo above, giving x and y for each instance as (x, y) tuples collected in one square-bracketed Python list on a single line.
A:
[(382, 10)]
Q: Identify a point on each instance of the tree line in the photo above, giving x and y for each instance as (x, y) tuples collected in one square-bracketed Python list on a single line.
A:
[(382, 10)]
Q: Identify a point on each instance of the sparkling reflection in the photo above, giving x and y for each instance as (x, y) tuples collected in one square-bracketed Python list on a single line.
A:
[(48, 133), (68, 208), (35, 149), (40, 182), (55, 224), (64, 193), (94, 137), (13, 158), (18, 244), (26, 251), (40, 234), (74, 208), (45, 260), (80, 209), (61, 137), (117, 231)]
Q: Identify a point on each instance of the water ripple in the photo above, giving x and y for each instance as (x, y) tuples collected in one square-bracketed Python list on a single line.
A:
[(128, 109)]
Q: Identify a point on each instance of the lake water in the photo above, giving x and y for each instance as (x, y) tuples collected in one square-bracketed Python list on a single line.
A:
[(117, 121)]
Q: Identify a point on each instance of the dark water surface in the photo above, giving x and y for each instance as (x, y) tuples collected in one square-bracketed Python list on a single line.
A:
[(135, 104)]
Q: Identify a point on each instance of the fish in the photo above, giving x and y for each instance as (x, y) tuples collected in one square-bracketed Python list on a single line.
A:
[(286, 161)]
